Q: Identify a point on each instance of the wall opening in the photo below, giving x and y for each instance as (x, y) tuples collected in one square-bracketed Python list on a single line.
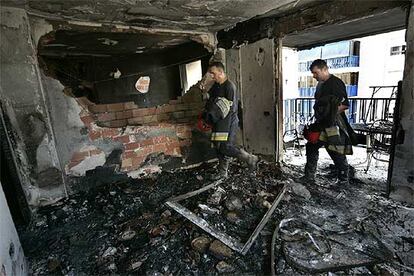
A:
[(190, 73), (370, 68)]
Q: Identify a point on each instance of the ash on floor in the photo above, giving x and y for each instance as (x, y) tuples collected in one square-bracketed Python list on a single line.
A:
[(121, 225)]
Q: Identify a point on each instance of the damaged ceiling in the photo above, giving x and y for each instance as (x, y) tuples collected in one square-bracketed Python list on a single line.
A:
[(64, 42), (196, 15)]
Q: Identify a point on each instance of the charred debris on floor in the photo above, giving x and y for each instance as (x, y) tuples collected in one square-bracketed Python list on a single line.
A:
[(116, 224)]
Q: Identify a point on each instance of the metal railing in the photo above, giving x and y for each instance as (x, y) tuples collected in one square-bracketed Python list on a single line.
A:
[(351, 90), (299, 111), (333, 63)]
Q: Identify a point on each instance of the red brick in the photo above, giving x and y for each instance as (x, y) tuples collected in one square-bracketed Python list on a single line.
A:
[(174, 144), (191, 113), (173, 151), (185, 143), (159, 110), (79, 156), (126, 162), (123, 139), (151, 110), (186, 120), (95, 134), (118, 123), (132, 146), (159, 148), (169, 108), (144, 151), (182, 107), (160, 139), (163, 117), (115, 107), (87, 120), (150, 119), (109, 132), (124, 114), (98, 108), (138, 112), (128, 154), (147, 142), (138, 161), (143, 112), (189, 98), (135, 121), (130, 105), (105, 117), (178, 114), (174, 101), (184, 134)]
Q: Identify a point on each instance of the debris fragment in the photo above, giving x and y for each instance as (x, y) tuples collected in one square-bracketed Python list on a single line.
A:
[(127, 235), (200, 244), (223, 267), (110, 251), (220, 250), (234, 203), (142, 84), (300, 190), (208, 210), (215, 198), (53, 265), (233, 217)]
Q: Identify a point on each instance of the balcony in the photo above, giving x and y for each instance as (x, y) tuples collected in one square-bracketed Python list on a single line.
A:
[(361, 110), (351, 90), (333, 63)]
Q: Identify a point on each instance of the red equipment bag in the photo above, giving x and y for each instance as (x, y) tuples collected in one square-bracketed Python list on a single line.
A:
[(311, 136), (202, 125)]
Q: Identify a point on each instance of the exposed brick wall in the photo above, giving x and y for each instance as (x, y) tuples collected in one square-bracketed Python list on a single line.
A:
[(182, 110), (141, 131)]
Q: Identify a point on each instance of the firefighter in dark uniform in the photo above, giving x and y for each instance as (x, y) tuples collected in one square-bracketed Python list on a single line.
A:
[(221, 113), (335, 133)]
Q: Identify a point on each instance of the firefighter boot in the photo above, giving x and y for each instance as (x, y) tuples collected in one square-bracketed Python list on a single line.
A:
[(250, 159), (222, 168)]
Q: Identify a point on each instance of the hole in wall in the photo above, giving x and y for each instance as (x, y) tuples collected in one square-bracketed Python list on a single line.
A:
[(260, 56), (107, 73)]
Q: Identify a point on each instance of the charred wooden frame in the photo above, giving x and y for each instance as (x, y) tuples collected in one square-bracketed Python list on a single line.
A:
[(228, 240)]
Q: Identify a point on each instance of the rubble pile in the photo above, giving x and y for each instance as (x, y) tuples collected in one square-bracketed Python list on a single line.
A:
[(117, 225)]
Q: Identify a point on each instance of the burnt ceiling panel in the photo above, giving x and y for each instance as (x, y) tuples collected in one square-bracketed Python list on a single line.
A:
[(390, 20), (196, 15), (106, 43)]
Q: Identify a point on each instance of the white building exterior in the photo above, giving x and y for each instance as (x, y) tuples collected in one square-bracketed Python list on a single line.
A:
[(377, 67)]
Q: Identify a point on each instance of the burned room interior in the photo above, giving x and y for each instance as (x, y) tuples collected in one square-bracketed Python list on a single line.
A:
[(107, 165)]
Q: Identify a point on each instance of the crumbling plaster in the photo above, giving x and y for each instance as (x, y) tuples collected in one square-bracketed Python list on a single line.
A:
[(25, 106)]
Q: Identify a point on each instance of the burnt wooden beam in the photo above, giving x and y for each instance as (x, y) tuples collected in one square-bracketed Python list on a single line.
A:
[(231, 242), (308, 18)]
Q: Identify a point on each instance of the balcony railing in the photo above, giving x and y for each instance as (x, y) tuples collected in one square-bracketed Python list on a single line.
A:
[(333, 63), (299, 111), (352, 90)]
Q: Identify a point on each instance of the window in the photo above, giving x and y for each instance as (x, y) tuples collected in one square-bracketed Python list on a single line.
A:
[(397, 50), (190, 74)]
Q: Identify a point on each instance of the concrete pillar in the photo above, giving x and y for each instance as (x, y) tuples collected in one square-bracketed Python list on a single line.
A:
[(25, 107), (233, 72), (257, 73), (402, 181)]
